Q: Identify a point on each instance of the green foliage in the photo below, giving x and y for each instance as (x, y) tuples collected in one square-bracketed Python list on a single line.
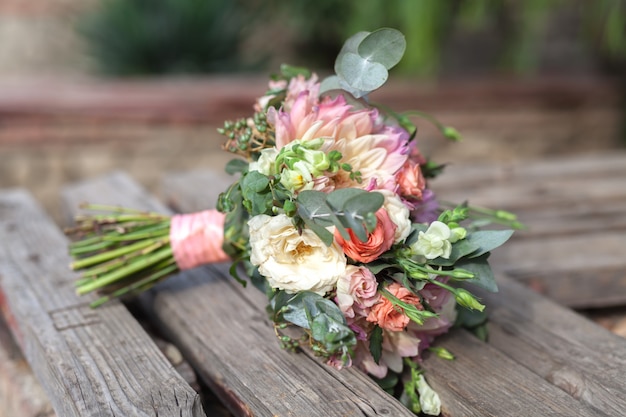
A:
[(322, 317), (376, 343), (363, 63), (347, 208), (136, 37)]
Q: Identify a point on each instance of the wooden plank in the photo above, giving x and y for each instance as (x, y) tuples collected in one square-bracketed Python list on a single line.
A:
[(20, 392), (566, 349), (96, 363), (479, 382), (230, 341), (575, 211)]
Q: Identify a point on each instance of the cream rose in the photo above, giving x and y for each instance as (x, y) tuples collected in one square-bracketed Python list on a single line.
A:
[(398, 213), (292, 261)]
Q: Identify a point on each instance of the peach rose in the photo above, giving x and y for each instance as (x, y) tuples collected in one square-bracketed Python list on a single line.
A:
[(387, 316), (378, 242), (411, 180)]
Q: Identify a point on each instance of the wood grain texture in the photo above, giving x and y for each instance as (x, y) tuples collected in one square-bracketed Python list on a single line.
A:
[(575, 210), (90, 362), (493, 379), (571, 352), (20, 392), (231, 343)]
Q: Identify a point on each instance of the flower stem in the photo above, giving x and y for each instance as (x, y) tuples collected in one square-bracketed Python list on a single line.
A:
[(116, 253), (137, 286), (120, 273)]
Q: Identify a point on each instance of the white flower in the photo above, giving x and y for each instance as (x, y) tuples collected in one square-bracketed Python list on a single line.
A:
[(434, 242), (398, 213), (265, 163), (292, 261), (297, 179), (429, 399)]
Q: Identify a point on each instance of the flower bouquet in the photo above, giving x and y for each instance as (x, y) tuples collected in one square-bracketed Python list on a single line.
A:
[(331, 215)]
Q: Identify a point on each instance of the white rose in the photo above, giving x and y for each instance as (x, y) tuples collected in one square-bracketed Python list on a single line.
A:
[(292, 261), (398, 213)]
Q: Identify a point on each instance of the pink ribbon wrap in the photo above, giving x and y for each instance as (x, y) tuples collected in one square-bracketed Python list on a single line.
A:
[(197, 238)]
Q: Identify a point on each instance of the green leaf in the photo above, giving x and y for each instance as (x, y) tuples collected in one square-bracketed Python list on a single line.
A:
[(291, 308), (363, 62), (323, 317), (235, 166), (388, 383), (360, 73), (330, 83), (290, 71), (317, 215), (355, 205), (312, 205), (483, 275), (460, 249), (352, 43), (377, 267), (468, 319), (488, 240), (255, 182), (376, 343), (385, 46), (256, 193)]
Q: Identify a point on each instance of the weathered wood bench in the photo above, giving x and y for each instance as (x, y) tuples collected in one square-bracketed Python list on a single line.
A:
[(541, 359)]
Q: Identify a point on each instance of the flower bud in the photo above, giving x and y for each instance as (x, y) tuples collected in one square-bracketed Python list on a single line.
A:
[(443, 353), (461, 273), (429, 400), (467, 300), (457, 233), (451, 133)]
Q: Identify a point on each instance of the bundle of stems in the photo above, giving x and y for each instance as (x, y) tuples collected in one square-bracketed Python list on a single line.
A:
[(121, 253)]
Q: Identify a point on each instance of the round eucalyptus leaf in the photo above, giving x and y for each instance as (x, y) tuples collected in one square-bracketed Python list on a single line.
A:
[(352, 43), (384, 46), (330, 83), (359, 73)]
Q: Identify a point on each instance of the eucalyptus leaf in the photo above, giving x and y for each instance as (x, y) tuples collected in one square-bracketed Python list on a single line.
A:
[(292, 308), (330, 83), (327, 323), (385, 46), (317, 215), (363, 203), (354, 206), (312, 205), (361, 73), (352, 43)]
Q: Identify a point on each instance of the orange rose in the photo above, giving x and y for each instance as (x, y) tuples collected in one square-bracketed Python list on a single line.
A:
[(389, 317), (378, 242), (411, 180)]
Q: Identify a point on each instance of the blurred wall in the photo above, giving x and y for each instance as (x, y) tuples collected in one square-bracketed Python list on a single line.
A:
[(37, 38)]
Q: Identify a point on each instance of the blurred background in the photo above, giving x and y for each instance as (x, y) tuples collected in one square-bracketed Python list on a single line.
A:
[(88, 86)]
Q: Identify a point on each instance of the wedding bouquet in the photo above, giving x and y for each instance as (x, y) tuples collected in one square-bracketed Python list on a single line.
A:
[(331, 215)]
